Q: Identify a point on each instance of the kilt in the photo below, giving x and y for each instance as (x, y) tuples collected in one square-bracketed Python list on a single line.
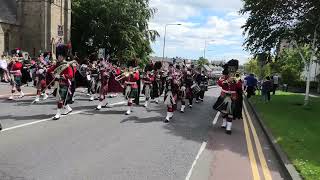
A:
[(225, 105), (170, 98), (16, 81)]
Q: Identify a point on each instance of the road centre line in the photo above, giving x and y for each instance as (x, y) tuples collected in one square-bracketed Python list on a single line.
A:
[(202, 148), (265, 169), (252, 158), (215, 120), (48, 119)]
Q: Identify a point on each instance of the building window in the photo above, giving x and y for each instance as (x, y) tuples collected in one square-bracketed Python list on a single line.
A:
[(6, 42)]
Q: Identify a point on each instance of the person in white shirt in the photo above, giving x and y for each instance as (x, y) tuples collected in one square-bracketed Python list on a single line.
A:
[(275, 80), (3, 69)]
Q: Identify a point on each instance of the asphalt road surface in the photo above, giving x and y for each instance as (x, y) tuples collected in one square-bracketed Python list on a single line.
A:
[(108, 145)]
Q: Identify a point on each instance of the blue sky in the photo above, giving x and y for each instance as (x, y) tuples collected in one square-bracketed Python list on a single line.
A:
[(201, 20)]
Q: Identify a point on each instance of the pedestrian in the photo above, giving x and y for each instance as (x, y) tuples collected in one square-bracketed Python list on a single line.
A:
[(275, 80), (3, 69), (266, 89), (251, 83)]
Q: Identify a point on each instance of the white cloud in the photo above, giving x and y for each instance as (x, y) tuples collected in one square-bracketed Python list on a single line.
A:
[(224, 29)]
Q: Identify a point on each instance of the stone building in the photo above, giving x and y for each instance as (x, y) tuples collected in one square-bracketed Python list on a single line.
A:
[(34, 25)]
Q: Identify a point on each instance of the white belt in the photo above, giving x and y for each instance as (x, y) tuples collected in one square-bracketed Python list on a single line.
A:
[(229, 92)]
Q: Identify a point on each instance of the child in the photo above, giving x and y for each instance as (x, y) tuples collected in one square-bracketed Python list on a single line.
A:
[(266, 89)]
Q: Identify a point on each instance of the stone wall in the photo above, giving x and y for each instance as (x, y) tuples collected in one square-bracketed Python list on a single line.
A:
[(32, 26), (12, 31), (39, 23), (61, 15)]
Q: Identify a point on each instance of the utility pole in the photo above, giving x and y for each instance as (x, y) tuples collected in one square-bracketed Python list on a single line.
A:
[(164, 38)]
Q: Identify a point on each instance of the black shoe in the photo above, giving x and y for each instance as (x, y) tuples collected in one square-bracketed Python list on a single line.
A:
[(0, 127), (229, 132), (166, 121), (98, 109), (223, 127)]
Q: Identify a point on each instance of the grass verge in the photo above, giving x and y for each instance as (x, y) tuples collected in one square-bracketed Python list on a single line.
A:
[(296, 128)]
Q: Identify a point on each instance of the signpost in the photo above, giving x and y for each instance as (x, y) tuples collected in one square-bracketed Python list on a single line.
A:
[(60, 30)]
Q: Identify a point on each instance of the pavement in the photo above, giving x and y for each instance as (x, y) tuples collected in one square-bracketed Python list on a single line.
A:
[(108, 145)]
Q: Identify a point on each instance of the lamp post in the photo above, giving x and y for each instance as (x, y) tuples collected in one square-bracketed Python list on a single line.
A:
[(205, 47), (164, 38)]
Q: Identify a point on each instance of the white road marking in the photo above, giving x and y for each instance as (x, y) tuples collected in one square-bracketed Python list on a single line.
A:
[(215, 120), (49, 119), (203, 146)]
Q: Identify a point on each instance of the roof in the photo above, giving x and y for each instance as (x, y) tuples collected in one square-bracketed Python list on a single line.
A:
[(8, 11)]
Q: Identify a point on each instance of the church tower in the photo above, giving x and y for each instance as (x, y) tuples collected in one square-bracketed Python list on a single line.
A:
[(43, 22)]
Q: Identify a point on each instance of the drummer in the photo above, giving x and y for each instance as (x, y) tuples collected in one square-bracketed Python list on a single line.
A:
[(188, 82)]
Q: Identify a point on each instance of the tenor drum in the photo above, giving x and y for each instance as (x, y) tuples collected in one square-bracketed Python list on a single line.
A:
[(195, 88)]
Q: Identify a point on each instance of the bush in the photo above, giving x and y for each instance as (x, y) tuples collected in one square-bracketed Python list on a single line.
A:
[(302, 84)]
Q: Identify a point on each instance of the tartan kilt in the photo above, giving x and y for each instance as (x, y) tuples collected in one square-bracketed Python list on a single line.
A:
[(133, 93), (64, 93), (225, 105), (16, 81)]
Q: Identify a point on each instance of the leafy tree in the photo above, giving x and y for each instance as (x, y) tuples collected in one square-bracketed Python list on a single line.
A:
[(270, 21), (290, 64), (120, 26), (202, 61), (253, 66)]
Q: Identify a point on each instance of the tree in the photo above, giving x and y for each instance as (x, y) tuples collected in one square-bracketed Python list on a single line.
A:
[(120, 26), (270, 21), (253, 66), (202, 61), (290, 64)]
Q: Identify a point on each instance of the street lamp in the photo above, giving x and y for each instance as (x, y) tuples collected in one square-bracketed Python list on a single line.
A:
[(205, 47), (164, 38)]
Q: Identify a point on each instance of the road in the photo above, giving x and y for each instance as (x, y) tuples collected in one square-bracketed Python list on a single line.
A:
[(107, 145)]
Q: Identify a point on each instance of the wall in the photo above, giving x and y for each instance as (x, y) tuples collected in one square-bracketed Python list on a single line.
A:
[(13, 32), (32, 26), (61, 15)]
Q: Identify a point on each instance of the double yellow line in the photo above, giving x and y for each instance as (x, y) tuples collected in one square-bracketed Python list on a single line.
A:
[(254, 167)]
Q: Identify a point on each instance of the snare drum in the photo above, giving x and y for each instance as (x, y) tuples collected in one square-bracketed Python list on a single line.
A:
[(195, 88)]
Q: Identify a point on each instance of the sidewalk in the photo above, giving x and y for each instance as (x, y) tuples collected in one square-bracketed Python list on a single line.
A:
[(5, 90), (245, 155)]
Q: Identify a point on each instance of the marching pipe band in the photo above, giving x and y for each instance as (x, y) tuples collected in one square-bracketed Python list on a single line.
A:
[(178, 84)]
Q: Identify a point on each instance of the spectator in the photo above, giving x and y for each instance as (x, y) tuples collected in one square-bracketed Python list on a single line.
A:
[(266, 89), (275, 85), (4, 75), (251, 83)]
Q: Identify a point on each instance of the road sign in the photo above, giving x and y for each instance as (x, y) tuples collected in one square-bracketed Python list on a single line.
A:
[(60, 30)]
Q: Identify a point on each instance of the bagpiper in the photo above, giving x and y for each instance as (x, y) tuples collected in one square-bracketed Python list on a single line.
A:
[(171, 92), (15, 70), (63, 74), (147, 80), (226, 101), (131, 86), (106, 70)]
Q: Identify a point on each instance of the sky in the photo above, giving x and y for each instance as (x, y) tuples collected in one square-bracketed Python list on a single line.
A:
[(215, 21)]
